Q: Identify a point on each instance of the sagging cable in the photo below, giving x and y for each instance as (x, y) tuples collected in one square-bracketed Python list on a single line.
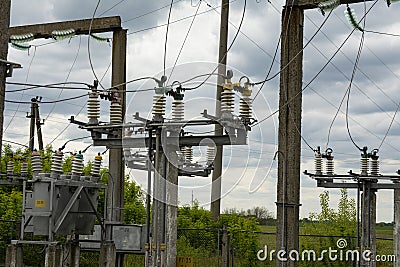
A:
[(351, 16)]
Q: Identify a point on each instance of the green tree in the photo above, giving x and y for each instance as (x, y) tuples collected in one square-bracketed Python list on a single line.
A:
[(330, 223)]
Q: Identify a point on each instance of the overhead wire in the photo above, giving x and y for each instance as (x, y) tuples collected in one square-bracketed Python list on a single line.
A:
[(88, 43), (317, 74), (360, 48), (166, 35), (355, 85), (184, 41), (68, 75), (26, 80), (227, 51), (46, 102), (111, 8), (69, 124), (150, 12), (292, 59), (51, 86)]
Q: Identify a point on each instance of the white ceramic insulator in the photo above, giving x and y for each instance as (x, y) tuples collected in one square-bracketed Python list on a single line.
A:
[(318, 163), (96, 167), (36, 163), (210, 154), (77, 165), (56, 165), (364, 165), (115, 112), (188, 153), (10, 166), (93, 107), (330, 167), (227, 101), (159, 104), (374, 166), (24, 168), (178, 110), (245, 107)]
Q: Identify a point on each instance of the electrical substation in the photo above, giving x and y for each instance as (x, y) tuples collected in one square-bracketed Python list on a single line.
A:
[(67, 205)]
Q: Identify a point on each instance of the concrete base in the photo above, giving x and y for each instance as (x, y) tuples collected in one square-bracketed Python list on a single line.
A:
[(14, 256), (54, 256), (72, 253), (108, 254)]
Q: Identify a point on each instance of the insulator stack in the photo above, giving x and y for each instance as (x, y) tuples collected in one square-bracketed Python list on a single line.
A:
[(330, 166), (374, 166), (56, 166), (227, 100), (24, 168), (10, 166), (159, 105), (318, 163), (97, 165), (364, 164), (210, 154), (188, 153), (93, 108), (115, 112), (36, 162), (77, 164), (374, 163), (246, 104), (178, 109)]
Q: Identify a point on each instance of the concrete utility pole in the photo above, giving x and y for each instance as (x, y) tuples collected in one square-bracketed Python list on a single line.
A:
[(222, 59), (396, 229), (172, 202), (5, 7), (116, 165), (38, 125), (158, 235), (368, 236), (32, 126), (289, 139)]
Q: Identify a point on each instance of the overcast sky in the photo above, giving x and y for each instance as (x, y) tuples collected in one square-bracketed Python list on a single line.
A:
[(249, 177)]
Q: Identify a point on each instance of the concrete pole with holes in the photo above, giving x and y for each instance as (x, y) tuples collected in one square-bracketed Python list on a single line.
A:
[(116, 181), (289, 139), (396, 228), (222, 59)]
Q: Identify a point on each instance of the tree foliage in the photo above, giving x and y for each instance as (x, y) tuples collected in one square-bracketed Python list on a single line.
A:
[(341, 222)]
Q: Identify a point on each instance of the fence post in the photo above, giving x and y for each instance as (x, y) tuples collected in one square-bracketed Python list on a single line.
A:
[(225, 246)]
